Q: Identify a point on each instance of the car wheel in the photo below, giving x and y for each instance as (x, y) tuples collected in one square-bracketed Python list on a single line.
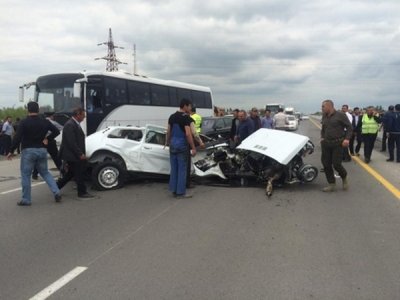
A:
[(108, 175), (308, 173)]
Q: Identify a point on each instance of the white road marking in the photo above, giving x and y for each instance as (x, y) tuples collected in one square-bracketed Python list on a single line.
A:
[(18, 189), (51, 289)]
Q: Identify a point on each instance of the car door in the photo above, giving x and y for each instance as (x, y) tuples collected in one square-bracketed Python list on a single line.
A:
[(154, 153), (127, 143)]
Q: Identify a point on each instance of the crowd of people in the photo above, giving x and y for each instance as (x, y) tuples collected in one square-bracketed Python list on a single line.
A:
[(341, 129)]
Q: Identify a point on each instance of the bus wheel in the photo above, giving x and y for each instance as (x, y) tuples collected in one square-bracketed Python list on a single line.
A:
[(108, 175)]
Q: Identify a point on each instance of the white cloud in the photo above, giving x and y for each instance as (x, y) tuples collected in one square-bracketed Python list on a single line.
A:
[(298, 52)]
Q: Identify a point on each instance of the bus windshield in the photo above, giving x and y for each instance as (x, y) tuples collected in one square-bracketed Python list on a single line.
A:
[(54, 93)]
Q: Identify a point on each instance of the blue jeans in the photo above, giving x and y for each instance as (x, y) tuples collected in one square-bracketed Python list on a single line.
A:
[(177, 179), (35, 158)]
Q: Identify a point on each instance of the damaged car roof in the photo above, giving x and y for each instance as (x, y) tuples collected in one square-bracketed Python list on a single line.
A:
[(277, 144)]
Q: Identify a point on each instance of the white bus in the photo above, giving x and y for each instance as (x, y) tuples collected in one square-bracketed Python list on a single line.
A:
[(117, 98), (274, 107)]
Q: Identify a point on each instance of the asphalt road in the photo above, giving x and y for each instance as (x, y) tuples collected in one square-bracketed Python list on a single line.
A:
[(224, 243)]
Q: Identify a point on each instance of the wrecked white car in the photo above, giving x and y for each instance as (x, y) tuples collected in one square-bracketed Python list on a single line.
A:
[(117, 153), (267, 156)]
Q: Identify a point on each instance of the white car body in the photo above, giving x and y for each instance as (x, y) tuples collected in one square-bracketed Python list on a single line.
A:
[(277, 144), (133, 149)]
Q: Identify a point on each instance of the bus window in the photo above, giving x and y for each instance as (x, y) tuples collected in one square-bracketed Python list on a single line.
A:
[(159, 95), (198, 99), (94, 99), (207, 100), (115, 91), (173, 97), (139, 93), (184, 93)]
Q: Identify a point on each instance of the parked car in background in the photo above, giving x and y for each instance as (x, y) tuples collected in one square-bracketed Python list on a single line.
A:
[(293, 123), (305, 117), (217, 127)]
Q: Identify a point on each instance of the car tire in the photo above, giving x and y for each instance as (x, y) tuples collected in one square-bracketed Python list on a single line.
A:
[(108, 175), (307, 173)]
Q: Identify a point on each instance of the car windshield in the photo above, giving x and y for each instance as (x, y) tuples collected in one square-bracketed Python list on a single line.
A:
[(207, 124)]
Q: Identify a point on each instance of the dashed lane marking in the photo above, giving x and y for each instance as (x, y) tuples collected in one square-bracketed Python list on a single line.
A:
[(55, 286), (386, 183), (18, 189)]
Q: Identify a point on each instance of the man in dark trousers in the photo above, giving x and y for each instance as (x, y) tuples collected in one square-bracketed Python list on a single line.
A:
[(335, 135), (356, 124), (31, 134), (369, 131), (394, 134), (385, 119), (72, 152)]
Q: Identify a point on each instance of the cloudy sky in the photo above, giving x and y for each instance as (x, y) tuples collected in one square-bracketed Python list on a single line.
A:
[(250, 53)]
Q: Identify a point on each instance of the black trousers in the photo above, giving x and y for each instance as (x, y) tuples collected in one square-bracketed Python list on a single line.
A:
[(76, 170), (331, 158), (6, 143), (384, 139), (369, 143), (355, 137), (394, 141)]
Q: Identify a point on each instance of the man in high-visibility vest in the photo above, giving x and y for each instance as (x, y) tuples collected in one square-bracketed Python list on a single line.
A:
[(197, 119), (369, 131)]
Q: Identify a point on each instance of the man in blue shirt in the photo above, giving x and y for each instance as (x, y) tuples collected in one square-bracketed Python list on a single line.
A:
[(267, 121), (245, 128)]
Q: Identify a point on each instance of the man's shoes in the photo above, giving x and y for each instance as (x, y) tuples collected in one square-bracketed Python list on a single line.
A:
[(347, 160), (35, 177), (390, 159), (357, 154), (21, 203), (330, 188), (184, 196), (86, 195), (345, 183), (367, 160), (57, 198)]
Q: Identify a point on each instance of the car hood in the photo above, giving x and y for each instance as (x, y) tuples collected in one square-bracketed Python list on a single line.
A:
[(276, 144)]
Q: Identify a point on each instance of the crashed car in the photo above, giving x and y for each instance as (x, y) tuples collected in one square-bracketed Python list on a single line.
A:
[(119, 152), (267, 156)]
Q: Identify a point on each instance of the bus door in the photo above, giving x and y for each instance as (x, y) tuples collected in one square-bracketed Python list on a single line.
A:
[(94, 104)]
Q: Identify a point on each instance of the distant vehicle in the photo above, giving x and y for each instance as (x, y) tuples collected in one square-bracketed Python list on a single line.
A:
[(289, 110), (274, 107), (293, 123), (116, 98), (216, 127), (305, 117), (299, 115)]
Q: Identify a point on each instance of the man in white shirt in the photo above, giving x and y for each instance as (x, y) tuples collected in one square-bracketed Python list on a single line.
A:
[(345, 109)]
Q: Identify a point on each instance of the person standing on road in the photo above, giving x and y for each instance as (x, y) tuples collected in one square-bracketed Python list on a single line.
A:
[(234, 126), (72, 151), (267, 121), (394, 134), (197, 119), (356, 124), (7, 132), (245, 128), (255, 118), (385, 119), (51, 146), (369, 131), (31, 135), (336, 132), (180, 138), (345, 110), (280, 120)]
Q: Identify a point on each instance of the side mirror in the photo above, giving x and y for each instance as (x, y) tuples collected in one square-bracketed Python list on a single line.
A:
[(77, 90), (21, 94)]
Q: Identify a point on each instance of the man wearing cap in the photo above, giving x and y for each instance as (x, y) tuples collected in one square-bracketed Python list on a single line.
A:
[(33, 135)]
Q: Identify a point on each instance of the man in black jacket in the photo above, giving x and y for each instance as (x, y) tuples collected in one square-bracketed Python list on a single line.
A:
[(33, 136), (72, 151)]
